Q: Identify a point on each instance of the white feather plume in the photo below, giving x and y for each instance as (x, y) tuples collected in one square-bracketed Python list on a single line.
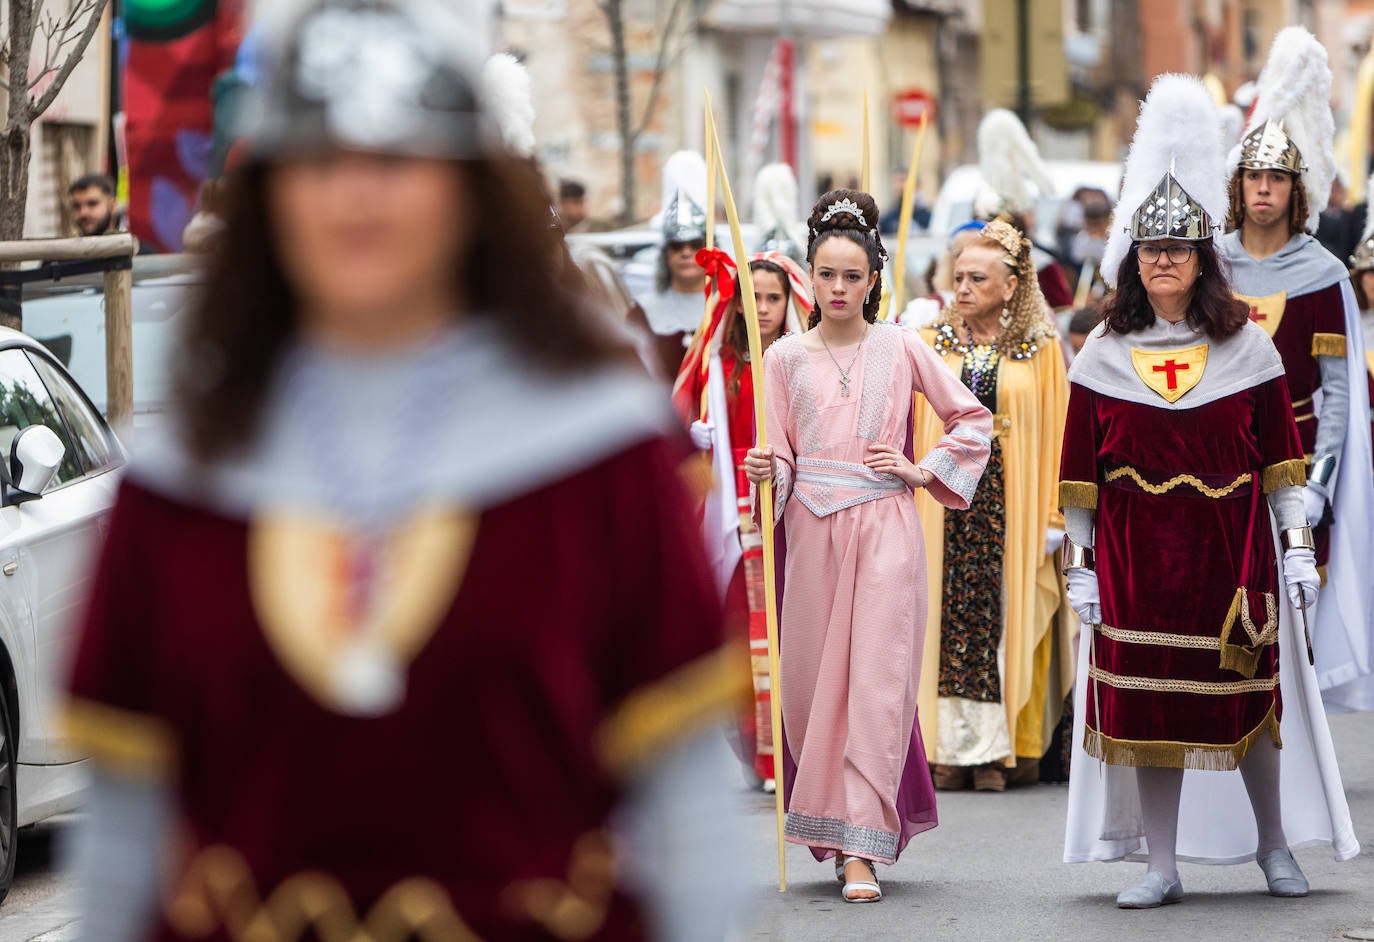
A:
[(508, 99), (1179, 128), (1295, 89), (775, 201), (1010, 164), (683, 171), (1232, 124)]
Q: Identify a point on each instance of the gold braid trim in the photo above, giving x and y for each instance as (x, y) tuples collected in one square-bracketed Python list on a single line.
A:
[(1244, 658), (1078, 494), (1161, 638), (668, 711), (1126, 471), (1164, 754), (1209, 688), (126, 741), (1290, 473), (1328, 345)]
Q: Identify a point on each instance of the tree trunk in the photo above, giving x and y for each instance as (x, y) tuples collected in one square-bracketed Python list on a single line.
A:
[(615, 16), (14, 139)]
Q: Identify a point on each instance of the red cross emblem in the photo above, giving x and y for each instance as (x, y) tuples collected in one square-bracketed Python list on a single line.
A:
[(1172, 368)]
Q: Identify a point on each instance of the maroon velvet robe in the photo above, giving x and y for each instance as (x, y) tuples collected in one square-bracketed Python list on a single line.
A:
[(1311, 325), (1181, 525), (585, 637)]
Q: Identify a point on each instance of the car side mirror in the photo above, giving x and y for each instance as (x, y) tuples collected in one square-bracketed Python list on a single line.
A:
[(35, 455)]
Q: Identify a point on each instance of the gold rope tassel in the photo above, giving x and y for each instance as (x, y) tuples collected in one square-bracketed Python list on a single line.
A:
[(1179, 755)]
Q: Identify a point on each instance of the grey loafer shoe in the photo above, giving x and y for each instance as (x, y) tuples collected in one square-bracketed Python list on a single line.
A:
[(1152, 890), (1283, 874)]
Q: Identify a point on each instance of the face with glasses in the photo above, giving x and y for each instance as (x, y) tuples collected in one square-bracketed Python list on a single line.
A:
[(1168, 268)]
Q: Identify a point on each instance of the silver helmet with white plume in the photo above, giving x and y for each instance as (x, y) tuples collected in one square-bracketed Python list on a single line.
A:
[(682, 214), (1291, 128), (1174, 182)]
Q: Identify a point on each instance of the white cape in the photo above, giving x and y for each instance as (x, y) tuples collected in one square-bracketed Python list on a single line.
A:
[(1215, 823), (720, 524), (1343, 630)]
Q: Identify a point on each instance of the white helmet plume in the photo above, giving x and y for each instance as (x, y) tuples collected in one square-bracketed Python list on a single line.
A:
[(1010, 164), (506, 94), (1178, 132)]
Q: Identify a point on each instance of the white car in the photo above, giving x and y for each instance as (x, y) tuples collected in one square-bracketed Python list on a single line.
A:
[(59, 469)]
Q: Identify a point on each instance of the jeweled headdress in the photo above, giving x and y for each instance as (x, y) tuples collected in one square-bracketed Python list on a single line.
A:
[(1173, 184), (845, 207), (684, 221), (1170, 213), (1294, 95), (1267, 147), (682, 212)]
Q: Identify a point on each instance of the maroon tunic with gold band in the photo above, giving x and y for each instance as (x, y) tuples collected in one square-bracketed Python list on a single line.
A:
[(1296, 295), (1184, 671), (582, 636)]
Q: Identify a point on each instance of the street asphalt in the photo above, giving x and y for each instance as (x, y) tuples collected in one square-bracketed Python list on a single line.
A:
[(992, 871)]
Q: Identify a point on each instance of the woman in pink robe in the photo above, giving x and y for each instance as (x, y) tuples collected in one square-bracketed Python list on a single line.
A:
[(839, 402)]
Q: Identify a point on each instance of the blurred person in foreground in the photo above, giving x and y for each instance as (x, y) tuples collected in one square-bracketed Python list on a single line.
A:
[(840, 399), (93, 205), (404, 627), (1182, 474), (1301, 295), (987, 676)]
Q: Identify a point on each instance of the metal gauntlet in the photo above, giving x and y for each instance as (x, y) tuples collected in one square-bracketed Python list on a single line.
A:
[(1076, 557)]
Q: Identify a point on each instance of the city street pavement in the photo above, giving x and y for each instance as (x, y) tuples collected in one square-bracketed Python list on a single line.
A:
[(992, 871), (41, 906)]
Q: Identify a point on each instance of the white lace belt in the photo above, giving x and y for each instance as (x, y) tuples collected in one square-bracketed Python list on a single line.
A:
[(853, 477)]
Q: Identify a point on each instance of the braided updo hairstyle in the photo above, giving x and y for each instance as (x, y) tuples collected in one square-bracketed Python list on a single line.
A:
[(1023, 319), (853, 216)]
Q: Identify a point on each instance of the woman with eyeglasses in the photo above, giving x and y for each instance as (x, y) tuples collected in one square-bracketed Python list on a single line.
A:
[(1179, 450)]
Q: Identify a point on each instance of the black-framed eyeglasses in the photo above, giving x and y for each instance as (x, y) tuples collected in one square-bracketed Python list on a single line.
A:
[(1178, 254), (694, 246)]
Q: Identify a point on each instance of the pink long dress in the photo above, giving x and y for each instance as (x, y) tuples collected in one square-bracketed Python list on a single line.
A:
[(854, 602)]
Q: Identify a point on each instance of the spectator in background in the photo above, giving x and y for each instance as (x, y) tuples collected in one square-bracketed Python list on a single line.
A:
[(572, 205), (92, 202), (1082, 324)]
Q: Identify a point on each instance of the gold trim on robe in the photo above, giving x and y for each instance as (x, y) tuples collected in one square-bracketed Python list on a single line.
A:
[(1328, 345), (1078, 494), (1290, 473), (125, 741), (1179, 755), (653, 718)]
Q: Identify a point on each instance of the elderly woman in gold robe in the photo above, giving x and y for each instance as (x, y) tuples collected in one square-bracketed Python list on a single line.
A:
[(998, 671)]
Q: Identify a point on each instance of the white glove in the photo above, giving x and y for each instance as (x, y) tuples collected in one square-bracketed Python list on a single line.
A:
[(1083, 596), (1314, 503), (701, 433), (1300, 575), (1054, 538)]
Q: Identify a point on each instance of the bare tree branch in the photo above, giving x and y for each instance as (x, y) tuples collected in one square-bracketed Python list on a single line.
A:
[(96, 12), (661, 66)]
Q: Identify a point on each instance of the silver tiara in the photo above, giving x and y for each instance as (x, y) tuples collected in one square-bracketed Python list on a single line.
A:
[(845, 205)]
